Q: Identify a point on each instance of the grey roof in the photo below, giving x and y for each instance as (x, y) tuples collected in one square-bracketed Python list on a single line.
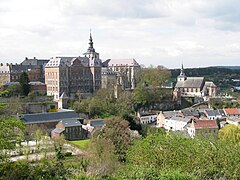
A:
[(123, 62), (191, 82), (215, 112), (58, 130), (169, 114), (194, 113), (37, 83), (67, 61), (70, 122), (95, 123), (49, 117), (11, 83), (181, 118), (35, 61)]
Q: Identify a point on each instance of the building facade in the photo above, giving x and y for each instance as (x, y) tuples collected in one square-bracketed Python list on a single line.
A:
[(125, 70), (71, 75), (33, 67), (194, 86)]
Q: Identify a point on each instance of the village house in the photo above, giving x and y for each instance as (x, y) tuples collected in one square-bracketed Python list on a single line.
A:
[(147, 117), (177, 123), (163, 115), (232, 112), (215, 114), (205, 128), (233, 120), (93, 125)]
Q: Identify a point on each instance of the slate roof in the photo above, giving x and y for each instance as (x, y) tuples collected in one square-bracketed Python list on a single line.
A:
[(194, 113), (38, 83), (66, 61), (123, 62), (58, 130), (215, 113), (191, 82), (70, 122), (96, 123), (203, 124), (181, 118), (35, 61), (169, 114), (49, 117), (210, 84)]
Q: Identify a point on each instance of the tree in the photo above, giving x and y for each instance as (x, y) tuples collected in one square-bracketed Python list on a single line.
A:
[(118, 132), (153, 76), (230, 132), (24, 84), (10, 132)]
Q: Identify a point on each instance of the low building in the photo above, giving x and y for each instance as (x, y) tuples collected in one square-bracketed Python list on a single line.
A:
[(147, 117), (232, 112), (70, 128), (163, 115), (94, 125), (48, 121), (215, 114), (233, 120), (177, 123), (205, 128)]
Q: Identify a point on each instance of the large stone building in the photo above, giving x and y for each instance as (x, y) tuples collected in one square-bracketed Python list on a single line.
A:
[(72, 75), (33, 67), (194, 86), (124, 70)]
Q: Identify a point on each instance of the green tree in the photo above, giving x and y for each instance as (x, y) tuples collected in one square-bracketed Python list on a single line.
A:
[(118, 132), (230, 133), (24, 84), (10, 133)]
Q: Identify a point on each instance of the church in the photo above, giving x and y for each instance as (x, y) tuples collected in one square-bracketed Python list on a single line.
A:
[(194, 86)]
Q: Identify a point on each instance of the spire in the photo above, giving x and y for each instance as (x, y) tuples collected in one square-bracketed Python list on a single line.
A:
[(91, 49), (182, 71)]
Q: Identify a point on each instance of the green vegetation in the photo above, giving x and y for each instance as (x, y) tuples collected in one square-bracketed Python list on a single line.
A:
[(148, 92), (115, 153), (23, 81), (82, 144)]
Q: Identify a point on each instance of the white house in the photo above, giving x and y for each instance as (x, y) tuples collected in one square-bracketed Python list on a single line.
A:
[(147, 118), (176, 123)]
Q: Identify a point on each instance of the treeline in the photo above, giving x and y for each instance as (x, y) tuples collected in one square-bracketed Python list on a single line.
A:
[(208, 71)]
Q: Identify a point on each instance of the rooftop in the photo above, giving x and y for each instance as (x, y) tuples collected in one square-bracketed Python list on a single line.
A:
[(203, 124), (191, 82)]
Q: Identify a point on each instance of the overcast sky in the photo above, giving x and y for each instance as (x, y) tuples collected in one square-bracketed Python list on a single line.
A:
[(159, 32)]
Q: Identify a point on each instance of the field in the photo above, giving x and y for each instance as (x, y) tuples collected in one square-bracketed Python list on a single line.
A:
[(82, 144)]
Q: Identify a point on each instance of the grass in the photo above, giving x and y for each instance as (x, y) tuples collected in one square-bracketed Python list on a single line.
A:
[(82, 144)]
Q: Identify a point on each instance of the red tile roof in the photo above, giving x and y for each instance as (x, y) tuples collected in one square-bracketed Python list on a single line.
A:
[(202, 124), (231, 111)]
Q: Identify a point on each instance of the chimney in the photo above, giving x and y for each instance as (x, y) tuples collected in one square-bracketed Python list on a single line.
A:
[(34, 57), (1, 64), (26, 58)]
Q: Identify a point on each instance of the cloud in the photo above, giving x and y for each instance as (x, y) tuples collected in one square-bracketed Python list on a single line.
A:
[(166, 32)]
